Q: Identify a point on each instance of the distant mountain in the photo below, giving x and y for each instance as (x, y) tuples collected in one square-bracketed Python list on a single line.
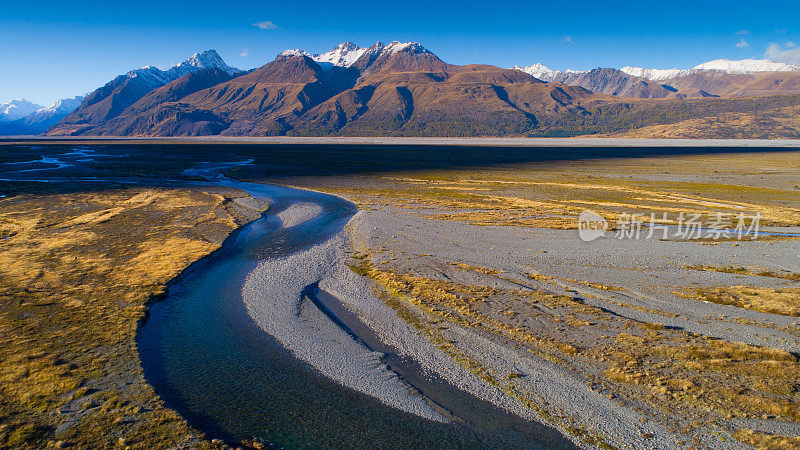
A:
[(17, 109), (343, 55), (404, 89), (41, 119), (616, 82), (110, 100), (745, 66), (395, 88), (541, 71), (720, 77), (154, 114), (611, 82)]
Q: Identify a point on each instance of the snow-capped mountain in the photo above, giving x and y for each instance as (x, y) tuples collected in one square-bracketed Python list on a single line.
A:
[(655, 74), (343, 55), (205, 60), (538, 70), (346, 54), (110, 99), (745, 66), (17, 109), (40, 119), (543, 73), (60, 108)]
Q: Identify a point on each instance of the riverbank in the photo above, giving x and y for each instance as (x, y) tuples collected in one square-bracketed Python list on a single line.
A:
[(488, 266), (69, 366)]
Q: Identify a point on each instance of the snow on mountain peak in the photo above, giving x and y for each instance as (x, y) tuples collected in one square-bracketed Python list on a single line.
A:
[(747, 66), (293, 52), (17, 109), (343, 55), (744, 66), (205, 60), (539, 71), (65, 105), (413, 47), (653, 74), (347, 53)]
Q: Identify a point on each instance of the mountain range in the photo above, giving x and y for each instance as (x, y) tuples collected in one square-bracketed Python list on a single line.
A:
[(20, 116), (403, 89), (718, 78)]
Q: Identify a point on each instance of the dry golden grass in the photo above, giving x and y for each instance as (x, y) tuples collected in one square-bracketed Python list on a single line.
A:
[(781, 124), (701, 379), (75, 273), (784, 301), (747, 271), (677, 377), (542, 197), (767, 441)]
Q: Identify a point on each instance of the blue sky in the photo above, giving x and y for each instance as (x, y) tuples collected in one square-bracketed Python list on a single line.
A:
[(50, 50)]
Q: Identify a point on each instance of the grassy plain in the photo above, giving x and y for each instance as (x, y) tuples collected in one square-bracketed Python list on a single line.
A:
[(661, 371), (76, 272), (78, 265)]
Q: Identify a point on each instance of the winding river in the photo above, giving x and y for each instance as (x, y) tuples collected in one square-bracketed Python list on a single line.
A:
[(211, 362)]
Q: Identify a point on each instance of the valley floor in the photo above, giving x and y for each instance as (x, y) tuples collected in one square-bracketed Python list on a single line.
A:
[(627, 343), (633, 343)]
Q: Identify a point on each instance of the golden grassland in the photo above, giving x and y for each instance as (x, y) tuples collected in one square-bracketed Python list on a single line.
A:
[(657, 369), (771, 300), (76, 271), (552, 195), (784, 301), (782, 123), (683, 379)]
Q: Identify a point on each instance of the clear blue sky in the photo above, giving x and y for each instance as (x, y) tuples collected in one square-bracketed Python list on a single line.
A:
[(54, 49)]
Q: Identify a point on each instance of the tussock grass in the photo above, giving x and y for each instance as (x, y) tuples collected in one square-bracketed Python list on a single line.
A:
[(76, 271), (784, 301), (702, 378)]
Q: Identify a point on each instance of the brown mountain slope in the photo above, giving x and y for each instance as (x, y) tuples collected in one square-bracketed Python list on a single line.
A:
[(739, 85), (780, 123), (104, 104), (266, 100), (155, 113), (616, 82), (405, 90), (462, 101), (178, 89), (115, 97)]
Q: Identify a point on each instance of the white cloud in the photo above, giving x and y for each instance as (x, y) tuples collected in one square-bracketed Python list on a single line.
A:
[(566, 39), (244, 53), (266, 25), (788, 54), (742, 44), (743, 32), (789, 44)]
